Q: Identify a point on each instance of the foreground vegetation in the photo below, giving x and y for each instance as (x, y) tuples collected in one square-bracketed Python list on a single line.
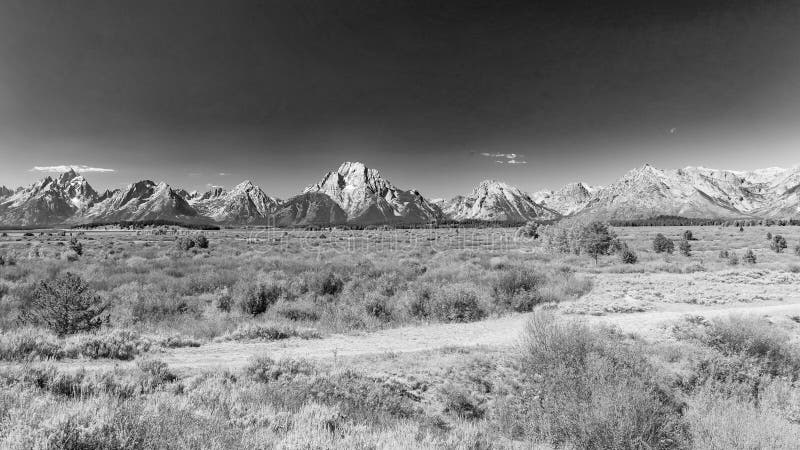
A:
[(729, 383), (129, 296)]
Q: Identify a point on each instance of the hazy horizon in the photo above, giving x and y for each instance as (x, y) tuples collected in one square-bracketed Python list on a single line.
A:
[(282, 92)]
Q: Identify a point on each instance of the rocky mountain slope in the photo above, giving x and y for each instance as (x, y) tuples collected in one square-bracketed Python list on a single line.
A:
[(311, 208), (570, 199), (496, 201), (366, 197), (143, 200), (698, 192), (245, 203), (48, 201), (356, 194)]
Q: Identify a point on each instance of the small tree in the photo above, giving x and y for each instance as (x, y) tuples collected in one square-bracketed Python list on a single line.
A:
[(685, 247), (769, 236), (65, 305), (797, 249), (749, 257), (627, 256), (596, 239), (76, 246), (663, 244), (741, 229), (778, 243), (687, 235)]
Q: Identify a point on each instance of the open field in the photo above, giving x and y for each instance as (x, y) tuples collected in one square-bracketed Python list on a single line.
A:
[(429, 338)]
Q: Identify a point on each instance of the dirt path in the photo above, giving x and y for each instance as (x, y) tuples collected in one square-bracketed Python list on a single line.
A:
[(499, 332)]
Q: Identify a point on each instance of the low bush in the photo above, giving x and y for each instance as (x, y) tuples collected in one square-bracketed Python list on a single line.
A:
[(29, 344), (586, 388), (269, 332), (518, 289), (457, 303), (116, 344), (749, 257), (460, 402), (265, 369), (662, 244), (255, 298)]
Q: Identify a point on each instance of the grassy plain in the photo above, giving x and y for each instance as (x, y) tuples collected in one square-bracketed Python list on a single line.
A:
[(470, 338)]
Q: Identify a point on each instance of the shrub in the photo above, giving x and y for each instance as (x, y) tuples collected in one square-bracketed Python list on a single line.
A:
[(628, 256), (724, 254), (797, 249), (29, 343), (769, 236), (269, 332), (749, 257), (733, 259), (457, 303), (518, 289), (778, 243), (687, 235), (685, 247), (419, 304), (224, 302), (200, 241), (117, 344), (662, 244), (255, 298), (530, 230), (585, 388), (184, 243), (377, 306), (460, 402), (297, 311), (76, 246), (65, 305), (326, 284), (265, 369)]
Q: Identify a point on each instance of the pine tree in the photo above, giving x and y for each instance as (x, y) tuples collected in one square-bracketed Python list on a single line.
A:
[(65, 305)]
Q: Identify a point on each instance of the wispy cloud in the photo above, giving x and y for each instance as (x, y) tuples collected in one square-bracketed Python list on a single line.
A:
[(66, 168), (510, 158), (224, 174)]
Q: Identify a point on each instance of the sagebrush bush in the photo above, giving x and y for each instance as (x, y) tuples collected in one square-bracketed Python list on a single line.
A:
[(116, 344), (29, 344), (269, 332), (327, 283), (459, 402), (265, 369), (587, 389), (457, 303), (749, 257), (255, 297), (518, 289)]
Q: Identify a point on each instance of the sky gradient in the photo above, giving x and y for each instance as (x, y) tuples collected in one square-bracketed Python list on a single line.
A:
[(279, 92)]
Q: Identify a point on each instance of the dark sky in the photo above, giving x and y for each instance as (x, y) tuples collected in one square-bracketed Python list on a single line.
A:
[(281, 91)]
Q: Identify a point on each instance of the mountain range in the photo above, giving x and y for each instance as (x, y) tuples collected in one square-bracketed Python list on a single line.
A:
[(355, 194)]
